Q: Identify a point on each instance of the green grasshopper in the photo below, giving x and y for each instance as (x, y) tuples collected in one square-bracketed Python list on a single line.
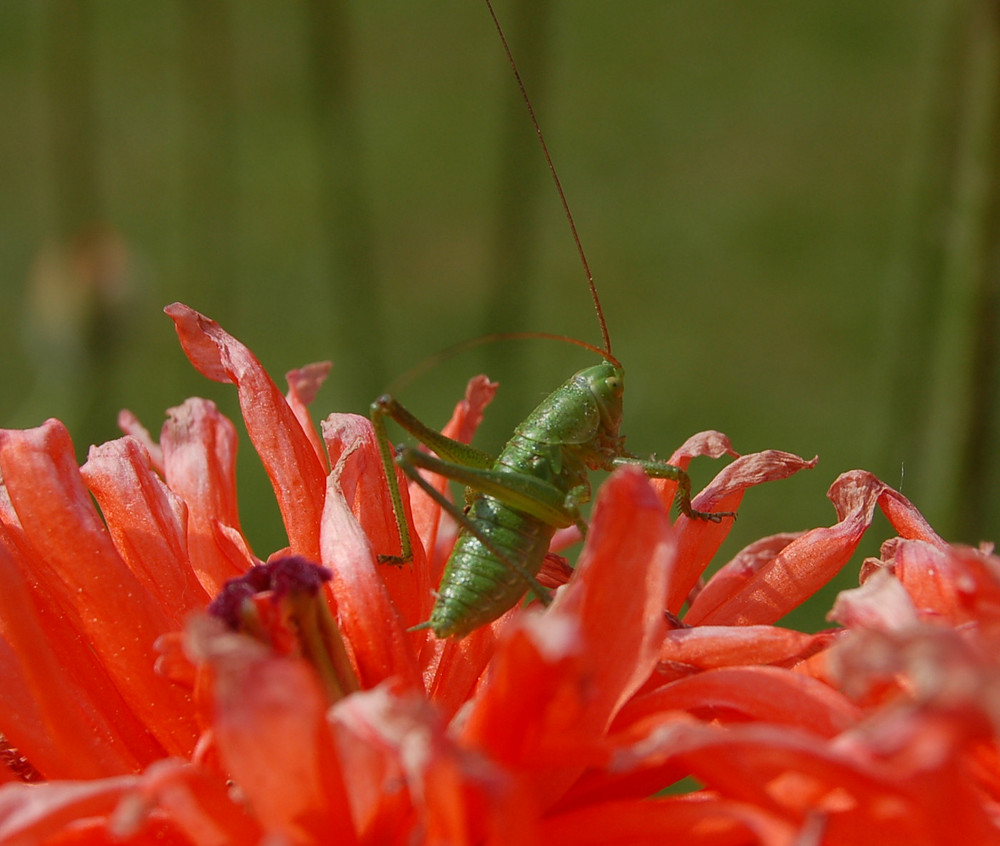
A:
[(516, 501)]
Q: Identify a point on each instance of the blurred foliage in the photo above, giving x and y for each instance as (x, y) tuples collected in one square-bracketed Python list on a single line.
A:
[(790, 210)]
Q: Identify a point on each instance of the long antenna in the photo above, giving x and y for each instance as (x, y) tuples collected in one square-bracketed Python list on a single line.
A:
[(555, 178), (433, 361)]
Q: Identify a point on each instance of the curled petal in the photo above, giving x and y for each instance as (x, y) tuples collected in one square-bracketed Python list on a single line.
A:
[(881, 603), (699, 540), (131, 425), (905, 518), (303, 383), (799, 570), (289, 458), (709, 443)]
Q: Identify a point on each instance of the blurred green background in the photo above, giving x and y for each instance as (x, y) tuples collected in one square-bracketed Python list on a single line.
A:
[(790, 210)]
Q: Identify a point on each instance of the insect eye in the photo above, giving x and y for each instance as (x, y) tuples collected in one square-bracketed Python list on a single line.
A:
[(613, 382)]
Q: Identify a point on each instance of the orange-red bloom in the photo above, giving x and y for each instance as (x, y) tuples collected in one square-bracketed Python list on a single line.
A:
[(546, 727)]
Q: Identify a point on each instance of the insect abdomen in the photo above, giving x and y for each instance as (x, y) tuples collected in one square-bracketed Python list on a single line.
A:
[(476, 587)]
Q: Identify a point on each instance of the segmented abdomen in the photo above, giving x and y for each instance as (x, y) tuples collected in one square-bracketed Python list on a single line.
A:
[(476, 587)]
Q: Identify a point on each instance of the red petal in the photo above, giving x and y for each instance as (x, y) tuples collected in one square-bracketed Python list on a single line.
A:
[(76, 563), (881, 603), (456, 666), (303, 384), (65, 724), (733, 576), (198, 804), (954, 671), (27, 653), (359, 475), (468, 413), (800, 569), (691, 821), (699, 540), (555, 572), (274, 740), (706, 647), (147, 522), (959, 584), (765, 694), (378, 735), (557, 681), (618, 590), (130, 425), (29, 813), (440, 794), (365, 611), (296, 474), (709, 443), (357, 469), (905, 795), (521, 699), (904, 517), (199, 455)]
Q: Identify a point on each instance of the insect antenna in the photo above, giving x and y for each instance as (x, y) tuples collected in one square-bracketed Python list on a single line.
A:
[(433, 361), (555, 178)]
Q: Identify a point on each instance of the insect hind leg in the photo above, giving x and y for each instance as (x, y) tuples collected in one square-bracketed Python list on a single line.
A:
[(388, 406), (462, 519)]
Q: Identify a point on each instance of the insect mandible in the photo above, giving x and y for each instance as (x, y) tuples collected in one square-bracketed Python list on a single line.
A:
[(517, 500)]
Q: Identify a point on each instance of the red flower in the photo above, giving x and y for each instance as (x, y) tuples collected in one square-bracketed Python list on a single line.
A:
[(545, 727)]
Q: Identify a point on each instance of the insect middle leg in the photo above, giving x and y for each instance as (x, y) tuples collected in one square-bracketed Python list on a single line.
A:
[(410, 461), (467, 465)]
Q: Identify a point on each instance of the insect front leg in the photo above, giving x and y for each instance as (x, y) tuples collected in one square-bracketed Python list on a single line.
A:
[(656, 469), (456, 451)]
